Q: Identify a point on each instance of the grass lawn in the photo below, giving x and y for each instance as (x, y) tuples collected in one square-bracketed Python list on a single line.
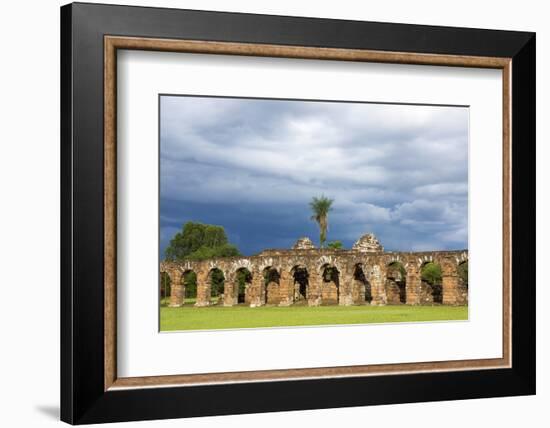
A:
[(219, 317)]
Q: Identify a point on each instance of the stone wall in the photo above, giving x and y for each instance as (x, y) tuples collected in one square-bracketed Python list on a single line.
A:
[(360, 277)]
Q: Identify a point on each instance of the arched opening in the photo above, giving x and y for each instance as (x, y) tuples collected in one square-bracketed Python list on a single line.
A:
[(216, 279), (431, 288), (330, 290), (271, 283), (396, 290), (189, 279), (165, 289), (362, 291), (243, 279), (301, 284)]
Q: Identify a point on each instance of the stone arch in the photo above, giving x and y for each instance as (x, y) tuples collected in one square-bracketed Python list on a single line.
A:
[(242, 263), (187, 266), (462, 257), (431, 285), (330, 284), (300, 276), (361, 288), (216, 283), (242, 283), (266, 263), (423, 259), (271, 283), (396, 278), (328, 260)]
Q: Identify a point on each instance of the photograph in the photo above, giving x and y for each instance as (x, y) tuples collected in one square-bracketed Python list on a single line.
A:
[(293, 212), (272, 210)]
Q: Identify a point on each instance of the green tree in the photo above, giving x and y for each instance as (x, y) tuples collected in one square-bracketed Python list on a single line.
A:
[(320, 208), (190, 280), (199, 241), (431, 273), (204, 253), (217, 281), (335, 245)]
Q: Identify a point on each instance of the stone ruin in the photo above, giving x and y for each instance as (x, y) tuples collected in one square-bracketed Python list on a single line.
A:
[(366, 274), (368, 243), (303, 243)]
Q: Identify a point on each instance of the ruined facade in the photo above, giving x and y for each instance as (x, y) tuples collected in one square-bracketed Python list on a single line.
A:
[(368, 244), (312, 276), (303, 243)]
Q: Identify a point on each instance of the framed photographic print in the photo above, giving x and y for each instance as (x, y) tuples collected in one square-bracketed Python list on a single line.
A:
[(278, 213)]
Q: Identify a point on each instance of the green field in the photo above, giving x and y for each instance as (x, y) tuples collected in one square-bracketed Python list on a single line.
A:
[(219, 317)]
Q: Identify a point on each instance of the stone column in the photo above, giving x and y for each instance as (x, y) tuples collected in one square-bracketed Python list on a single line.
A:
[(177, 289), (273, 293), (314, 288), (450, 286), (450, 289), (257, 290), (346, 289), (203, 289), (230, 291), (412, 285), (378, 289), (286, 288), (247, 293)]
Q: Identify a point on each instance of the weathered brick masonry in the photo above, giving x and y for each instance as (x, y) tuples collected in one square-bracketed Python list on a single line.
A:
[(313, 276)]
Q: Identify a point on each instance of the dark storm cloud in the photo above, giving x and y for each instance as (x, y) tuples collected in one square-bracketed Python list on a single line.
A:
[(253, 165)]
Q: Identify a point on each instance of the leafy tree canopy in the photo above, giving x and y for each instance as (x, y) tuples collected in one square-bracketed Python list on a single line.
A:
[(203, 253), (335, 245), (431, 273), (198, 241)]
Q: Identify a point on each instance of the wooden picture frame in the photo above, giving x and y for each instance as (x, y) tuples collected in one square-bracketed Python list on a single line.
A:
[(91, 390)]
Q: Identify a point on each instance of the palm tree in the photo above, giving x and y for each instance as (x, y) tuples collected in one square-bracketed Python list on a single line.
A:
[(320, 207)]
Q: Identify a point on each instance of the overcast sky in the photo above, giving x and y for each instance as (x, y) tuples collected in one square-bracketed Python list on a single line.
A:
[(252, 166)]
